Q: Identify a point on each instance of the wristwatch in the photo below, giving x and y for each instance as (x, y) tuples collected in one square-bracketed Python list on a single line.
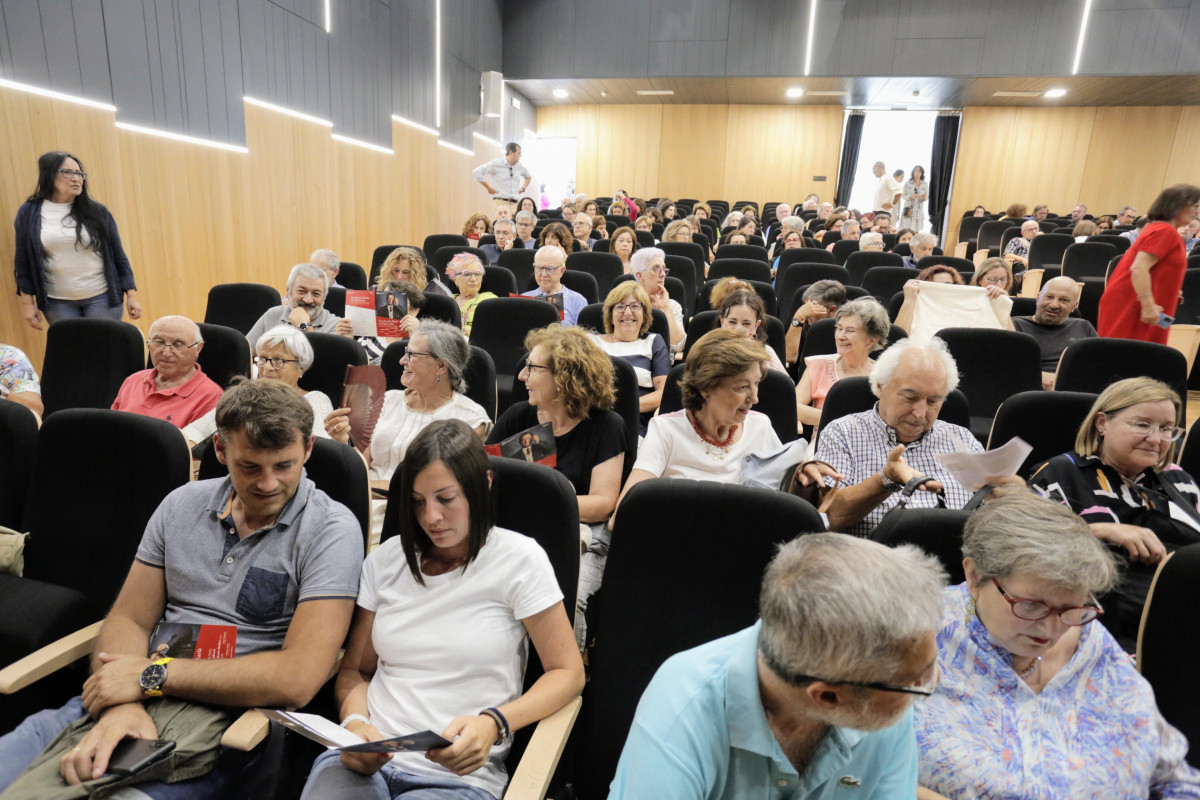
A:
[(153, 677), (796, 323), (888, 483), (304, 326)]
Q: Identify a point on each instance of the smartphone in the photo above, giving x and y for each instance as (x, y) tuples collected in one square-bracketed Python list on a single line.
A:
[(1164, 321), (134, 755)]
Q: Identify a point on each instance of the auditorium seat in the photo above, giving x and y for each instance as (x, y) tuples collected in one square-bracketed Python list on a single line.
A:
[(87, 360), (331, 355), (239, 305)]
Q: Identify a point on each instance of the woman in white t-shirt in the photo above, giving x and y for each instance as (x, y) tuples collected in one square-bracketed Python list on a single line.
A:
[(439, 636), (69, 261)]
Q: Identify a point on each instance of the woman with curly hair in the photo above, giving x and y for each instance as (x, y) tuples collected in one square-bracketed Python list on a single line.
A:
[(476, 226), (408, 264), (558, 235)]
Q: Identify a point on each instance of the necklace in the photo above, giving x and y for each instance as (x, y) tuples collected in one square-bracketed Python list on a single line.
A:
[(712, 448), (1025, 673)]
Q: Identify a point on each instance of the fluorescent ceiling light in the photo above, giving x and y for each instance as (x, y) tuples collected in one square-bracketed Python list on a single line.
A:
[(795, 91), (412, 124), (377, 148), (826, 94), (437, 63), (560, 93), (812, 26), (487, 139), (70, 98), (1055, 92), (288, 111), (656, 92), (1016, 94), (1087, 11), (328, 17), (456, 148), (236, 148)]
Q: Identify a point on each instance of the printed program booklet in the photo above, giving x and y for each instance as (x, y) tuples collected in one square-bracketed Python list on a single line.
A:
[(555, 300), (335, 737), (377, 313), (184, 640), (535, 445)]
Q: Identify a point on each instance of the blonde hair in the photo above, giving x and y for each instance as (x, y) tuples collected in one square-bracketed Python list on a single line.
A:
[(725, 287), (416, 267), (583, 373), (987, 265), (1118, 397), (621, 292)]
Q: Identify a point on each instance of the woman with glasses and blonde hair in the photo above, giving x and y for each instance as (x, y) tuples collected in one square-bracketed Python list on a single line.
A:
[(1033, 699), (627, 319), (466, 270), (1120, 480), (994, 272), (434, 365), (407, 264)]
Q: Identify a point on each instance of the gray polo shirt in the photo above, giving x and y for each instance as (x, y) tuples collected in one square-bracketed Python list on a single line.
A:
[(323, 322), (314, 551), (1053, 339)]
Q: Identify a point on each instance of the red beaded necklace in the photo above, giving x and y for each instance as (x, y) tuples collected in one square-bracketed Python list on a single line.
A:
[(722, 447)]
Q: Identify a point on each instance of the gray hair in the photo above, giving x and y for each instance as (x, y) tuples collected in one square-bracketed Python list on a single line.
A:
[(879, 164), (825, 205), (308, 271), (582, 218), (829, 292), (291, 338), (447, 344), (732, 218), (330, 257), (871, 314), (847, 609), (927, 239), (160, 320), (640, 261), (866, 239), (1126, 208), (1022, 534), (851, 223), (935, 349), (526, 216), (504, 221), (792, 221)]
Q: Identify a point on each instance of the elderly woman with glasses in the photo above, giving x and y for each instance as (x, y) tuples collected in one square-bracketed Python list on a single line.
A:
[(1033, 700), (434, 365), (994, 272), (627, 319), (1120, 480), (466, 270), (649, 266), (284, 354)]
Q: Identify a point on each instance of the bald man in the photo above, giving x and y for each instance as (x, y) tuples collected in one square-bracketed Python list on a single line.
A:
[(1052, 324), (175, 389)]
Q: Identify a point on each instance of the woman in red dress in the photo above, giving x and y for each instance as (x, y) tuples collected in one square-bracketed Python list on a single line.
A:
[(1146, 282)]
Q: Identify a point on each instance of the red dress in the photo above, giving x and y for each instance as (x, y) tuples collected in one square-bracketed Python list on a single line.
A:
[(1120, 311)]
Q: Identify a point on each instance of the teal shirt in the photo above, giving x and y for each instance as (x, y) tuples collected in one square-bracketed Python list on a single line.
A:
[(700, 732)]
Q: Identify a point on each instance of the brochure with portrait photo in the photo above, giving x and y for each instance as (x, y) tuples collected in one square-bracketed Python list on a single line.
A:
[(534, 445), (377, 313), (184, 640), (555, 300), (335, 737)]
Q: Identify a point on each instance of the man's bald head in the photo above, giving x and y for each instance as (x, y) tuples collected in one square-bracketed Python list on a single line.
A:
[(1056, 301)]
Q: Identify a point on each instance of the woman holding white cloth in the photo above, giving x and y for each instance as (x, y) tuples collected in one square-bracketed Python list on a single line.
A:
[(938, 298)]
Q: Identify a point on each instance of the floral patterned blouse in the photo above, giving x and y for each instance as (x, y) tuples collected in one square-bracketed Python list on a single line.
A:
[(1093, 732), (16, 372)]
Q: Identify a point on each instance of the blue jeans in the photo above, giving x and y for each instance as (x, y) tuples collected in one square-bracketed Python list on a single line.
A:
[(72, 309), (329, 779), (24, 743)]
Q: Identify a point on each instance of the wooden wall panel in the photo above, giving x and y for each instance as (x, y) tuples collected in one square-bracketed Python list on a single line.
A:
[(1147, 134), (1184, 164), (193, 216), (816, 149), (758, 152), (581, 122), (691, 153), (627, 149)]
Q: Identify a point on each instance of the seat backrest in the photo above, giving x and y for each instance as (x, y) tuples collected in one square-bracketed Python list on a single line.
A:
[(604, 267), (87, 360), (499, 281), (583, 282), (239, 305), (742, 251), (600, 245), (993, 364), (335, 301), (748, 269), (519, 262), (803, 274), (644, 613), (1048, 421), (860, 261), (992, 231), (960, 264), (331, 355), (843, 249), (937, 531), (883, 282), (18, 443), (690, 249), (123, 464), (1048, 249), (352, 276), (225, 354), (1088, 259), (335, 468), (438, 240), (1167, 643), (968, 228), (1090, 365), (683, 269), (500, 327), (802, 255), (1120, 242), (645, 238), (439, 306)]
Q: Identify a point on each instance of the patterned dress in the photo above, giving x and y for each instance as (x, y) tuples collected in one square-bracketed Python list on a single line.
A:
[(16, 372), (1094, 731), (912, 211)]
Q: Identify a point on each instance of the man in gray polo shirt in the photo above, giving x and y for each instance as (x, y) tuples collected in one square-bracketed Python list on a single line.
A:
[(307, 288), (1052, 324), (263, 550)]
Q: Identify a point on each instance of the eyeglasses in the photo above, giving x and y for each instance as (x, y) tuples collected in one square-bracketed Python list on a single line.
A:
[(73, 173), (924, 690), (659, 270), (1034, 610), (531, 366), (630, 308), (276, 363), (410, 353), (999, 281), (177, 347), (1146, 429), (547, 270), (471, 275)]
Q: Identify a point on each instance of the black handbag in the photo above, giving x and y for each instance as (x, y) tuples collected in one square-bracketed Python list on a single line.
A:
[(890, 518)]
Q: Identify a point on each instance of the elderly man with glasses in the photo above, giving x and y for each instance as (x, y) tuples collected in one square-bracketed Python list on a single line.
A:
[(175, 389), (1017, 251), (813, 700), (307, 288), (549, 264)]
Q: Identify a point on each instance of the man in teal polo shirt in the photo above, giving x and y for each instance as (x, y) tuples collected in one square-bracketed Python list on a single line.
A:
[(813, 701)]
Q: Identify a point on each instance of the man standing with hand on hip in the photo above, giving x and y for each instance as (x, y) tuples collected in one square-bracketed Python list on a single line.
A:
[(504, 178)]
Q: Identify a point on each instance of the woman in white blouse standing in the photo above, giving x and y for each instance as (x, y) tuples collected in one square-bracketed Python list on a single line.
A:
[(69, 261)]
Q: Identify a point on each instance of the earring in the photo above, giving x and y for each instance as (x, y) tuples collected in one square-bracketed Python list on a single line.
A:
[(439, 378), (970, 609)]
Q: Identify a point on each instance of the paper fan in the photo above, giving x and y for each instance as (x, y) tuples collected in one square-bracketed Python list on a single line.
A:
[(363, 395)]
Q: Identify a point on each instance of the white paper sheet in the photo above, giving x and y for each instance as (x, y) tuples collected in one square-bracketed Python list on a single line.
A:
[(972, 469)]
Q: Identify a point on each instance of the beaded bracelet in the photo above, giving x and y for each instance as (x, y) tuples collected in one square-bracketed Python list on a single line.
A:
[(503, 731)]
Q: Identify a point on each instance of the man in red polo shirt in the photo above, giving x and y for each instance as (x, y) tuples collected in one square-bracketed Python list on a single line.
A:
[(176, 389)]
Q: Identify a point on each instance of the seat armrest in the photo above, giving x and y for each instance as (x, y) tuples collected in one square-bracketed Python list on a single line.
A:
[(49, 659), (246, 732), (532, 776)]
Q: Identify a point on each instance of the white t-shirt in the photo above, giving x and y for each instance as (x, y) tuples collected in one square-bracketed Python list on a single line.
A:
[(72, 271), (885, 191), (455, 645), (398, 425), (672, 449), (203, 428)]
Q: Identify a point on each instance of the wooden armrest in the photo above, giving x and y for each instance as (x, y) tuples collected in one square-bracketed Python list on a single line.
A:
[(49, 659), (246, 732), (533, 774), (1031, 283)]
